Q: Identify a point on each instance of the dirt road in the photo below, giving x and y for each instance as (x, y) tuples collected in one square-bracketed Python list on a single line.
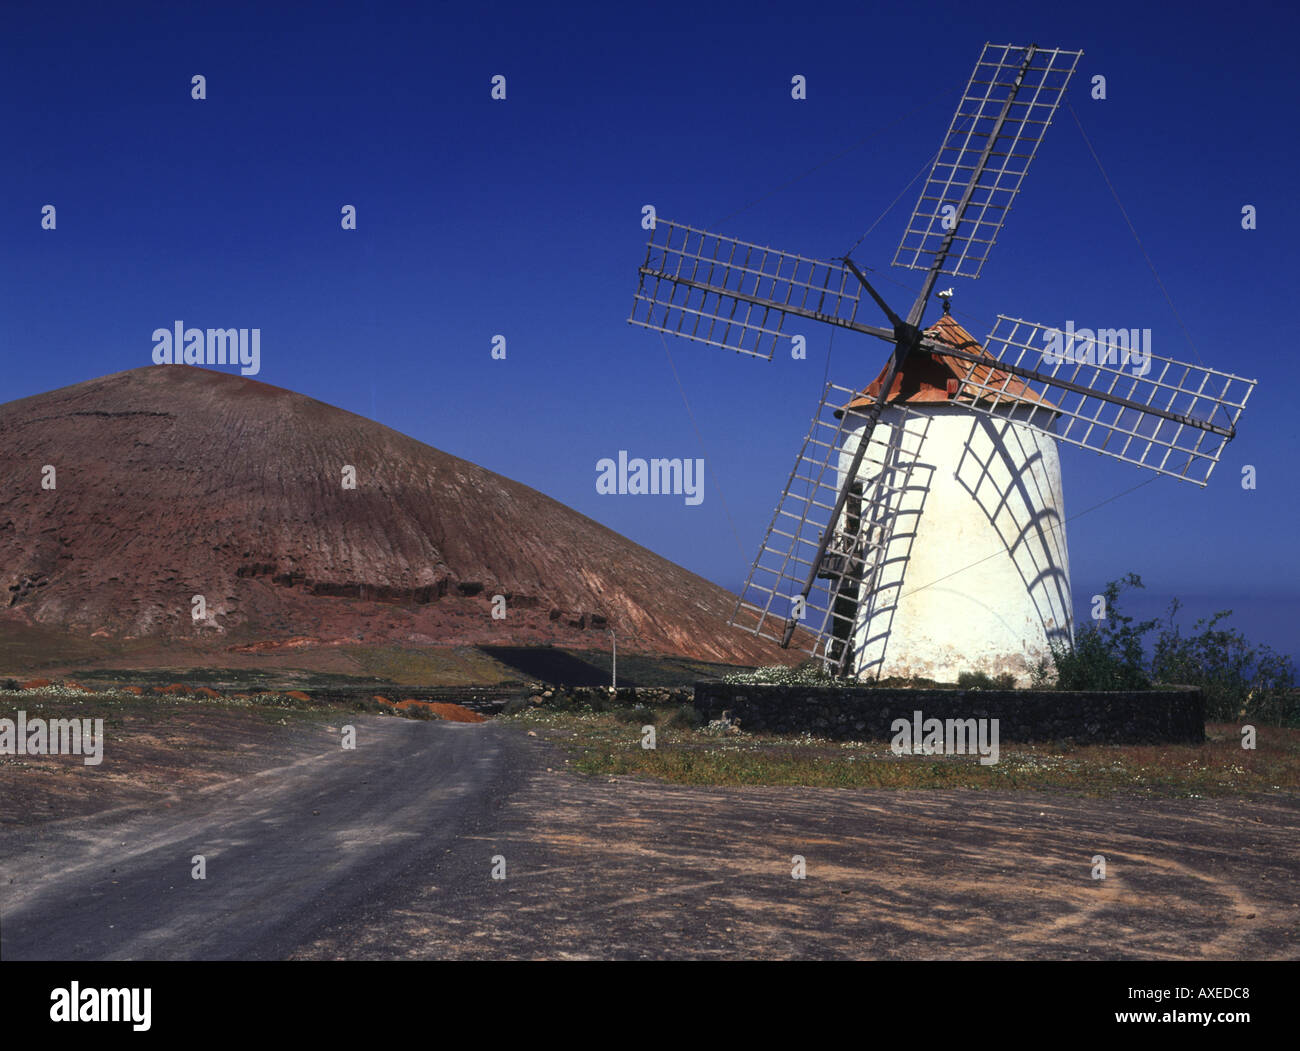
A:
[(287, 850)]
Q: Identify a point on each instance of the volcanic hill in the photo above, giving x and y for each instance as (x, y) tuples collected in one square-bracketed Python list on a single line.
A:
[(173, 481)]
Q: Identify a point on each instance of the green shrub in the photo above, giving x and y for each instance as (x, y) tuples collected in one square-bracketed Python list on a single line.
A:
[(1239, 681), (1108, 654), (979, 680), (974, 680), (1043, 675), (686, 717)]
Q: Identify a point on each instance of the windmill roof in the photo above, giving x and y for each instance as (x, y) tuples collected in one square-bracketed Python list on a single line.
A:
[(924, 377)]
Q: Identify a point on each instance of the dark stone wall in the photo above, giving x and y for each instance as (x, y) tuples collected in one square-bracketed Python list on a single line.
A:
[(864, 713)]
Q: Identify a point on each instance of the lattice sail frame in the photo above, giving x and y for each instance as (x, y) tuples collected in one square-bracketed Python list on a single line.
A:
[(1027, 119), (705, 287), (1127, 432), (784, 561)]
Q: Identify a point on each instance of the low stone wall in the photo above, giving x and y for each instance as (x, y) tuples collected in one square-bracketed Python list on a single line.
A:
[(864, 714), (602, 698)]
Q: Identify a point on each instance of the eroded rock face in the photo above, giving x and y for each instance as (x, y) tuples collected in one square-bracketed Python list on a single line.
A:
[(172, 482)]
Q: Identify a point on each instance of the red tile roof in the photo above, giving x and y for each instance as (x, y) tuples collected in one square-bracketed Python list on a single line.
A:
[(924, 377)]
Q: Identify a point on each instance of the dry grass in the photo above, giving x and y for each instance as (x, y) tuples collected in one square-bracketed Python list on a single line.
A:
[(444, 665), (604, 744)]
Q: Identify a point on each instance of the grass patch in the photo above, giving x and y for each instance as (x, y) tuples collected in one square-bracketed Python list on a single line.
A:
[(609, 744), (117, 707), (443, 665), (274, 703)]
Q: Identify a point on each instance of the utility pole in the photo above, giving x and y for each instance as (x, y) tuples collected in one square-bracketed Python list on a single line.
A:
[(613, 672)]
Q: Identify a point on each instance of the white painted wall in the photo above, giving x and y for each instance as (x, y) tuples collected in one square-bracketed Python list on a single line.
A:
[(976, 574)]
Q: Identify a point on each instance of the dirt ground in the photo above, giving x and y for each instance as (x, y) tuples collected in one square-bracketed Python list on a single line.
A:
[(600, 867), (154, 752)]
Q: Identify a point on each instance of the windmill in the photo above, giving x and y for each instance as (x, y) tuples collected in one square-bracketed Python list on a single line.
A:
[(945, 467)]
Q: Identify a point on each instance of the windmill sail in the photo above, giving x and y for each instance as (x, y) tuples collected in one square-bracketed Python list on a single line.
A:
[(848, 571), (1106, 392), (737, 295), (1000, 121)]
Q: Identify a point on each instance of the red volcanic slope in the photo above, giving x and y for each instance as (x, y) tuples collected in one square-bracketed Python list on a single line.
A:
[(174, 481)]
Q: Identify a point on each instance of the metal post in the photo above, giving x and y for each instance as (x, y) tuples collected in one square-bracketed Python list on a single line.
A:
[(613, 683)]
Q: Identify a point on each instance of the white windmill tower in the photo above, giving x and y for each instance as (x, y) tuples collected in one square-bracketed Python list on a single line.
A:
[(937, 545), (973, 570)]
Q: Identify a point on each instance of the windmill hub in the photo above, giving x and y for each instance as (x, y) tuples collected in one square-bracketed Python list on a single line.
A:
[(906, 335)]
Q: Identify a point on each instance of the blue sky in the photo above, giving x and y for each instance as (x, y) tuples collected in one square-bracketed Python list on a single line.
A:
[(521, 217)]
